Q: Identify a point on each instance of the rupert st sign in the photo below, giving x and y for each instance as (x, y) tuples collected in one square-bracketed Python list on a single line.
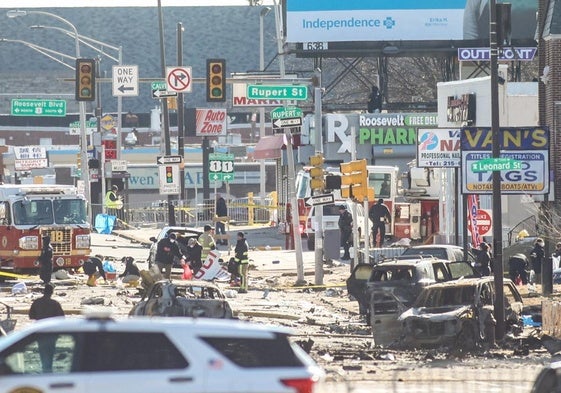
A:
[(527, 147)]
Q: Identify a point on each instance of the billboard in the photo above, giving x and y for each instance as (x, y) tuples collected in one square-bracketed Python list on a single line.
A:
[(400, 20)]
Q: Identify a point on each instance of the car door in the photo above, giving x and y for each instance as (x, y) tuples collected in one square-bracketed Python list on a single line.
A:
[(143, 362), (357, 285), (42, 362)]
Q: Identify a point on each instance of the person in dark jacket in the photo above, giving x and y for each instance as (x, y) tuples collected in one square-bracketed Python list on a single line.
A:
[(193, 255), (220, 228), (346, 228), (93, 267), (41, 308), (241, 256), (483, 260), (537, 256), (167, 249), (379, 214), (517, 265), (46, 260), (131, 273)]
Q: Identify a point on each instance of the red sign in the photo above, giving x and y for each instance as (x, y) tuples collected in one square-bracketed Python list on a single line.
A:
[(484, 222), (110, 149)]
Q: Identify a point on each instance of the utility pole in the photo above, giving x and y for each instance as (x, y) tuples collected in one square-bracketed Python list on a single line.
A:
[(180, 122), (165, 111)]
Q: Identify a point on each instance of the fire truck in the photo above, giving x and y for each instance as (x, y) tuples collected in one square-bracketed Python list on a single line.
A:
[(415, 208), (30, 211)]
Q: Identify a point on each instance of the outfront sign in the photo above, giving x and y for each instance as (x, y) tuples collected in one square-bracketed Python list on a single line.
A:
[(529, 146), (50, 108)]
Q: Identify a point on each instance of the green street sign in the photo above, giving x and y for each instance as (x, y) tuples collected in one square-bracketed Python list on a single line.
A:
[(159, 85), (51, 108), (496, 164), (277, 92), (286, 113), (221, 167)]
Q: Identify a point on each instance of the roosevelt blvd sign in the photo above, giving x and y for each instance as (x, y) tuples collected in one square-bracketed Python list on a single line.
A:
[(316, 200), (25, 107)]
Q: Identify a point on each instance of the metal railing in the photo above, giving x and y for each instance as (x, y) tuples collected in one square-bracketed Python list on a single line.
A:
[(156, 214)]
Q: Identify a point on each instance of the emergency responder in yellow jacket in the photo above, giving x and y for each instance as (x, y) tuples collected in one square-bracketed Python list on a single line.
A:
[(240, 254), (207, 242), (113, 201)]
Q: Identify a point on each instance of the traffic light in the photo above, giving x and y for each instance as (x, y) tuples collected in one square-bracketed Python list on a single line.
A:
[(318, 181), (78, 161), (216, 80), (169, 174), (85, 79), (354, 181)]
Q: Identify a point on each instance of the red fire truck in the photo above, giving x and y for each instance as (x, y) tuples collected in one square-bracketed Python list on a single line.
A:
[(415, 209), (30, 211)]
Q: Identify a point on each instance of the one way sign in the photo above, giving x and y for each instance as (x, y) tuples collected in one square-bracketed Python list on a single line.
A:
[(125, 80)]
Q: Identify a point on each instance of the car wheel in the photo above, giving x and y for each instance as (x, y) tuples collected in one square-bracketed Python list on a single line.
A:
[(466, 339), (311, 242)]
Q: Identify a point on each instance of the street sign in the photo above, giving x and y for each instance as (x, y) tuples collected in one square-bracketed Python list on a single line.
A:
[(286, 123), (221, 167), (125, 80), (484, 222), (51, 108), (316, 200), (169, 179), (279, 92), (286, 113), (160, 90), (119, 165), (179, 79), (74, 127), (108, 122), (496, 164), (164, 160)]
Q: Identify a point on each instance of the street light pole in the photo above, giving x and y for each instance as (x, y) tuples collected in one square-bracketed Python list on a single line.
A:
[(262, 182), (82, 105), (45, 52)]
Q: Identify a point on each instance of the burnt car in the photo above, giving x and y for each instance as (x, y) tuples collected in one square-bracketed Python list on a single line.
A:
[(194, 298), (441, 251), (459, 314), (387, 289), (183, 236)]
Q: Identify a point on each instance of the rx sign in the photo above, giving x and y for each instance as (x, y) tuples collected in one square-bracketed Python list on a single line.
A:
[(179, 79)]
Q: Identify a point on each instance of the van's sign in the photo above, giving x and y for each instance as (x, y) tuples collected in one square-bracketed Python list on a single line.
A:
[(529, 146), (377, 129)]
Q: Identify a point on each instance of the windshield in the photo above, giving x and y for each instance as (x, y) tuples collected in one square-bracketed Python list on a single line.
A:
[(450, 296), (70, 211), (381, 183), (40, 212)]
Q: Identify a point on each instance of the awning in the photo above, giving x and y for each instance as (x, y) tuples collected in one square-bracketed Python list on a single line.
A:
[(269, 147)]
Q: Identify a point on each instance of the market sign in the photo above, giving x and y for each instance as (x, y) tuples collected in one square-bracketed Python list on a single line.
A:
[(524, 154)]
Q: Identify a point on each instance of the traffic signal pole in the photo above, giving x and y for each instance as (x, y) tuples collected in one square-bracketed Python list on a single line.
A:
[(319, 239)]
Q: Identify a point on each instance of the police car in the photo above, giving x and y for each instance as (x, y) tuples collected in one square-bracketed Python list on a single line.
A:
[(99, 354)]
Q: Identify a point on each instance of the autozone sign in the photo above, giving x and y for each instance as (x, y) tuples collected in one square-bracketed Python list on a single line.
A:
[(211, 122)]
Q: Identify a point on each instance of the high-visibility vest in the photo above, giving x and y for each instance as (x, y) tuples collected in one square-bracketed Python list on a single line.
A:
[(116, 204)]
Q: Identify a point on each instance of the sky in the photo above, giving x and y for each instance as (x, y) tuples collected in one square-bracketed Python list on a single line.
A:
[(122, 3)]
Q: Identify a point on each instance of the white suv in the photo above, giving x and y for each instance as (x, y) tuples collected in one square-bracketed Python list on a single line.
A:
[(331, 219), (154, 355)]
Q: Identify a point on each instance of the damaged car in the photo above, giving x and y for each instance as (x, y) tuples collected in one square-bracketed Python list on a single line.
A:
[(194, 298), (459, 314), (387, 289)]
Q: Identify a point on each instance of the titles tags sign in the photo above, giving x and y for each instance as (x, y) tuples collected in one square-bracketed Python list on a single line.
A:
[(529, 145), (211, 122)]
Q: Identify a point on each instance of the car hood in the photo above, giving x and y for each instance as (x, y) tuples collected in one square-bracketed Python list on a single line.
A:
[(436, 314)]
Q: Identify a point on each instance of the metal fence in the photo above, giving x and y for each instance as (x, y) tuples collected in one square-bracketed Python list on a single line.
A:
[(242, 211)]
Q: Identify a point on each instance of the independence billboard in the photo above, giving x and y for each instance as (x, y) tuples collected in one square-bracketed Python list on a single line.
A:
[(401, 20)]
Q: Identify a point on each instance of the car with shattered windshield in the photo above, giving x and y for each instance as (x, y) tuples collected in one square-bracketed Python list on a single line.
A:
[(148, 355), (459, 313), (387, 289), (191, 298)]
